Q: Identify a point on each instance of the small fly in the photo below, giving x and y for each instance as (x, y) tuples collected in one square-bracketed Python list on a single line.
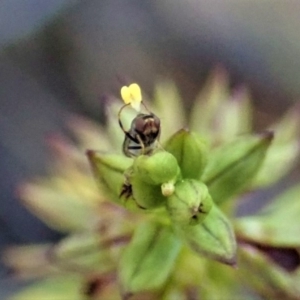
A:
[(144, 132), (143, 135)]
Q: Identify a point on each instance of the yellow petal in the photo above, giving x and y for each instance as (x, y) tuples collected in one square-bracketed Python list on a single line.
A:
[(132, 95), (135, 92), (125, 93)]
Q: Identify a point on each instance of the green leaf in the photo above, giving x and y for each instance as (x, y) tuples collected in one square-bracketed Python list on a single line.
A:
[(109, 171), (190, 203), (231, 167), (190, 151), (278, 223), (149, 258), (213, 238)]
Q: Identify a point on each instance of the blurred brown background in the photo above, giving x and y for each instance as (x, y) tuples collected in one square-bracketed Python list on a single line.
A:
[(58, 57)]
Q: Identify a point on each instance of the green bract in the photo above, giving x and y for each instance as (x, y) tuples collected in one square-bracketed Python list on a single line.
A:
[(149, 258), (190, 151), (214, 237), (109, 171), (232, 166)]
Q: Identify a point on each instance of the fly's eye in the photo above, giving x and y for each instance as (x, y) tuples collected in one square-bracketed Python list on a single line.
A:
[(156, 121), (140, 124)]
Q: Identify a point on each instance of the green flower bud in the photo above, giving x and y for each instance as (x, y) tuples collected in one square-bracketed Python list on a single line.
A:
[(146, 195), (190, 151), (109, 171), (231, 167), (149, 258), (213, 237), (190, 203), (161, 167)]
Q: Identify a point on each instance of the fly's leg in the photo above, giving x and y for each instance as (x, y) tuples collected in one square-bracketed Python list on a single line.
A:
[(126, 190), (119, 118), (143, 150)]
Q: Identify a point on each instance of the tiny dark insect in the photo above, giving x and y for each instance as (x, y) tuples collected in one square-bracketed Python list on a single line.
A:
[(126, 190), (143, 134)]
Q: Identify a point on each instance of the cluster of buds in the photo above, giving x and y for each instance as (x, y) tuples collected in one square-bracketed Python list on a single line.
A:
[(179, 188), (163, 224)]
